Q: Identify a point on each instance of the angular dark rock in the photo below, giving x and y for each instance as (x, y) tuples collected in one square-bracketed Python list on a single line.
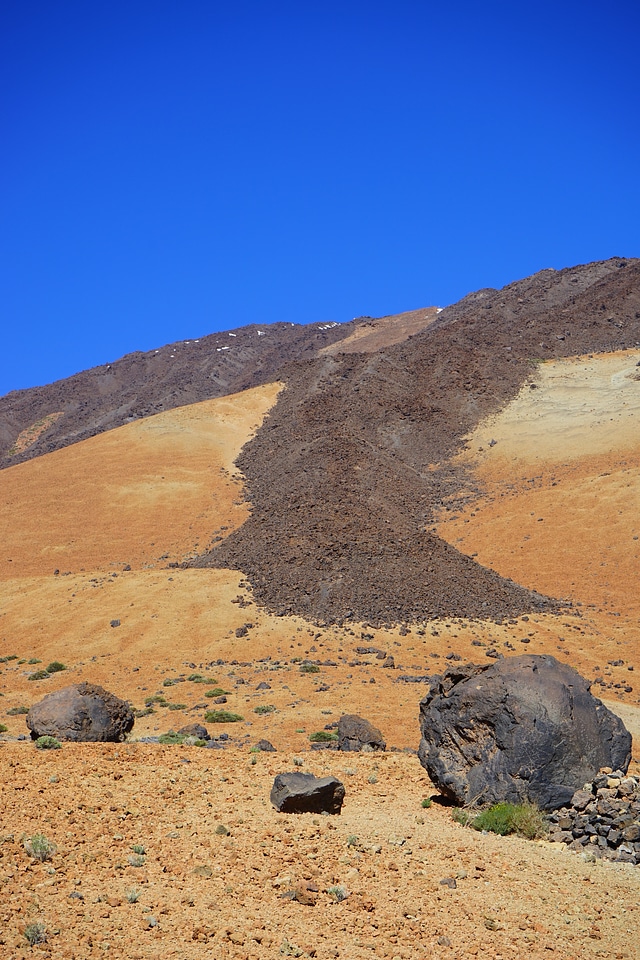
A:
[(355, 734), (304, 793), (522, 728), (83, 712), (195, 730), (265, 746)]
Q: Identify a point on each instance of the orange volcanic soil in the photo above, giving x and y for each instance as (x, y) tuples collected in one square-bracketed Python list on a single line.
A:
[(555, 506)]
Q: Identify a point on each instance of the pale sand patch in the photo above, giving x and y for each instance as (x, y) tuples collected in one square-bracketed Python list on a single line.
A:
[(582, 406), (159, 488), (382, 332), (559, 508)]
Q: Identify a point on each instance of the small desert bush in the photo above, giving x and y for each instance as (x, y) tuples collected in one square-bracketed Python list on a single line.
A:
[(176, 706), (56, 667), (426, 803), (33, 660), (12, 656), (216, 692), (524, 819), (39, 675), (40, 848), (17, 711), (156, 698), (172, 738), (138, 848), (222, 716), (339, 893), (169, 682), (322, 736), (146, 712), (136, 860), (310, 668), (263, 708), (133, 895), (48, 743), (3, 728), (35, 933)]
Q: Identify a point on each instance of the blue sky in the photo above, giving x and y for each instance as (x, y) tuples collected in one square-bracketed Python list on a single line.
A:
[(170, 169)]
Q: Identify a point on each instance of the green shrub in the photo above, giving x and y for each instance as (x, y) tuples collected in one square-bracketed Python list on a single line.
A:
[(339, 893), (172, 738), (309, 668), (144, 713), (39, 675), (426, 803), (40, 848), (169, 682), (136, 860), (195, 677), (35, 933), (222, 716), (56, 667), (48, 743), (17, 711), (3, 728), (138, 848), (264, 708), (133, 895), (156, 698), (13, 656), (176, 706), (33, 660), (462, 816), (216, 692), (524, 819), (323, 736)]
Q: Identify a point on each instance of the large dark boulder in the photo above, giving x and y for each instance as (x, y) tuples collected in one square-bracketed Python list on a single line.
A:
[(82, 712), (522, 728), (355, 733), (304, 793)]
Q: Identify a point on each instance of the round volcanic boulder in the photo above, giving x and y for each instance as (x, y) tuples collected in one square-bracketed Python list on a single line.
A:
[(83, 712), (519, 729)]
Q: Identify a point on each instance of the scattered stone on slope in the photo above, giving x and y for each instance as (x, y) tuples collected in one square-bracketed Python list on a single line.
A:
[(602, 819), (83, 712), (522, 728), (356, 733), (304, 793), (195, 730)]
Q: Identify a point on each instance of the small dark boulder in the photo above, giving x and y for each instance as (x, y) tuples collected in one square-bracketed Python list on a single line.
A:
[(304, 793), (355, 733), (83, 712), (265, 746), (522, 728), (195, 730)]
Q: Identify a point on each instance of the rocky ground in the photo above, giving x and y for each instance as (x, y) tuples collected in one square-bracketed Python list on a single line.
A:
[(387, 878)]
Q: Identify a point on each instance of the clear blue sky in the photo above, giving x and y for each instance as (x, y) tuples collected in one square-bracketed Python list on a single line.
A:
[(172, 168)]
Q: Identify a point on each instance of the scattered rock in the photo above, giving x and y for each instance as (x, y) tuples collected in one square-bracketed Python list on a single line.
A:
[(82, 712), (355, 734), (304, 793), (522, 728), (195, 730), (265, 746)]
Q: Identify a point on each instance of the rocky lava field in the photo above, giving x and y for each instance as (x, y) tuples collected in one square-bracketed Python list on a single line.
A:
[(311, 523)]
